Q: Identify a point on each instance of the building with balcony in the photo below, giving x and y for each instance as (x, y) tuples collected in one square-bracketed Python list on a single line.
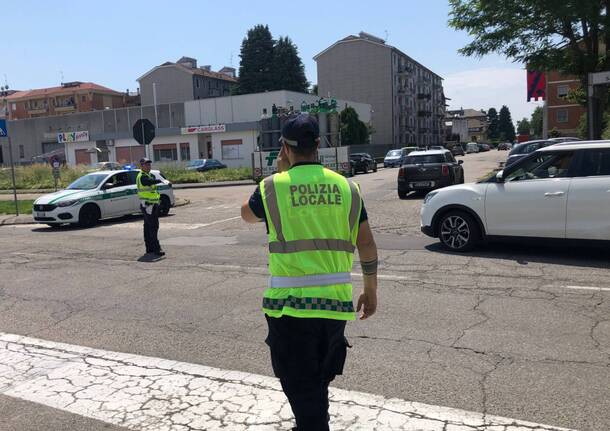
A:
[(470, 124), (183, 81), (69, 98), (407, 99)]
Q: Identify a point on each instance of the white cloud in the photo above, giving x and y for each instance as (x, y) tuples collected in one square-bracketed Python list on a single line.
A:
[(490, 87)]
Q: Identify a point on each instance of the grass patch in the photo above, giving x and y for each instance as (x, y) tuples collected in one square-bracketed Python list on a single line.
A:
[(40, 176), (8, 207)]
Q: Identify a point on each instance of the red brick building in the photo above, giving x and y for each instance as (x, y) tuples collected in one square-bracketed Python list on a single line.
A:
[(69, 98), (563, 115)]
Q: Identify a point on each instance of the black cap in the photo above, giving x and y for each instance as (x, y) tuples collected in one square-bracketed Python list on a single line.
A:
[(144, 160), (300, 131)]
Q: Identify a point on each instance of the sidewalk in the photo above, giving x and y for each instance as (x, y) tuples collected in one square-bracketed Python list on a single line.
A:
[(34, 193)]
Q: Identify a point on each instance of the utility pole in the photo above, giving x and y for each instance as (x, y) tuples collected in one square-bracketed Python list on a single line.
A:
[(4, 94)]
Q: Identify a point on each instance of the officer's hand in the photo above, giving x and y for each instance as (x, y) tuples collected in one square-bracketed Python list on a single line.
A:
[(282, 161), (369, 302)]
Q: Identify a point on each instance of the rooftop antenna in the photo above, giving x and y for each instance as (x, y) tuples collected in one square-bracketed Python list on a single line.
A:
[(231, 59), (5, 81), (61, 73), (387, 35)]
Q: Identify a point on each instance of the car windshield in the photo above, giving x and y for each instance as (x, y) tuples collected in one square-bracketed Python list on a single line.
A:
[(430, 158), (394, 153), (196, 162), (356, 156), (88, 182)]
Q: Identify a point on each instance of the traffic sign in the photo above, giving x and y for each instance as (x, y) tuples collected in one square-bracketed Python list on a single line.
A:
[(3, 131), (144, 131)]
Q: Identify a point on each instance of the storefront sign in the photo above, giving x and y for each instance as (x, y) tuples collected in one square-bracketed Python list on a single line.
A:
[(82, 136), (212, 128)]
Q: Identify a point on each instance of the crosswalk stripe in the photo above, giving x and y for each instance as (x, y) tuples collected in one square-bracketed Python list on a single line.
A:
[(152, 394)]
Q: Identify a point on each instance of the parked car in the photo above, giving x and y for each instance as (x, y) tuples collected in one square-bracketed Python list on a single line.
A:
[(202, 165), (504, 146), (521, 150), (557, 192), (96, 196), (436, 147), (362, 162), (392, 159), (457, 150), (472, 147), (564, 139), (483, 147), (429, 170)]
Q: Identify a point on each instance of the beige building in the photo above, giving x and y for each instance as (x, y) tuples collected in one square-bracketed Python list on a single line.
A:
[(470, 124), (407, 99)]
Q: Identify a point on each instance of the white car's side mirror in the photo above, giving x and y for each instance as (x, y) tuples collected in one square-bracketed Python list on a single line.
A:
[(500, 177)]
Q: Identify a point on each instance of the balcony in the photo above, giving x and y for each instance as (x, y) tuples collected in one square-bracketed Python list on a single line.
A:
[(37, 110), (63, 109), (424, 113)]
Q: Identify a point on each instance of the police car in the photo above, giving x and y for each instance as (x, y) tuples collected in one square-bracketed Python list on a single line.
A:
[(98, 195)]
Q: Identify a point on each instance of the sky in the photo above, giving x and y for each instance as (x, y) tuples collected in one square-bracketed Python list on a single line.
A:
[(112, 43)]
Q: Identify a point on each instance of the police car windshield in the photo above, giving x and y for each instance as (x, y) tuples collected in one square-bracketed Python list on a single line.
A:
[(431, 158), (88, 182)]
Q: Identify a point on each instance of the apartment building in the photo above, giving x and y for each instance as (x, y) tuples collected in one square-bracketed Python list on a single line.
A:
[(470, 124), (562, 114), (407, 99), (183, 81), (69, 98)]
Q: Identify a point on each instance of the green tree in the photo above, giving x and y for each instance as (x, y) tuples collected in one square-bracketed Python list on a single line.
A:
[(524, 127), (493, 134), (256, 61), (569, 36), (506, 128), (353, 131), (314, 89), (288, 71), (536, 122), (554, 133)]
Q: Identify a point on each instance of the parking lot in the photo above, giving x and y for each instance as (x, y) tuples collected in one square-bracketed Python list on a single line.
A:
[(516, 331)]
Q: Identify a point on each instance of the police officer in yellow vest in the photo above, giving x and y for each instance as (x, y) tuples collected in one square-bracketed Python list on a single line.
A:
[(315, 220), (149, 204)]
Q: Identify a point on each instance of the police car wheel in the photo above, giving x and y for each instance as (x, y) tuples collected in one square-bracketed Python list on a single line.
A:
[(164, 206), (88, 215)]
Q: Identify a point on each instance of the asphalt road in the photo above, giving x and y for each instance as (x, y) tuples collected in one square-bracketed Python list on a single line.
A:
[(516, 331)]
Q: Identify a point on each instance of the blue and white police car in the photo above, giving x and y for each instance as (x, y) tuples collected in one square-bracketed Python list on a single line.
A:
[(98, 195)]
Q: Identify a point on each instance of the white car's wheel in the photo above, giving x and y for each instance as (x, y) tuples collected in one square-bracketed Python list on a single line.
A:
[(458, 231), (89, 215)]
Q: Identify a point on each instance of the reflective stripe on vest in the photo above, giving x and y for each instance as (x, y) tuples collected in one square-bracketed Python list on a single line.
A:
[(310, 280), (309, 304), (283, 246)]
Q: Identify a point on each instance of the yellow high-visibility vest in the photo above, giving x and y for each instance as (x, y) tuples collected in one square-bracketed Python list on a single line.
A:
[(312, 214)]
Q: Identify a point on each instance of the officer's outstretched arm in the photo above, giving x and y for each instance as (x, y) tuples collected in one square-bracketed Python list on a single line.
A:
[(367, 250), (247, 215)]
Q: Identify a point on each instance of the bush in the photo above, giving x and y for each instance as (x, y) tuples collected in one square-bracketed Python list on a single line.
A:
[(40, 176)]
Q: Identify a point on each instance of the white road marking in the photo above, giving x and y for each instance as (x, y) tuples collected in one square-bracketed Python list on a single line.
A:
[(599, 289), (153, 394)]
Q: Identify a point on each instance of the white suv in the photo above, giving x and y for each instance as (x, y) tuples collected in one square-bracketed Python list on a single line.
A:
[(559, 192), (95, 196)]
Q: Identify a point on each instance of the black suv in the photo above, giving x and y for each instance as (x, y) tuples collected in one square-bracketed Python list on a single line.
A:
[(362, 162), (429, 170)]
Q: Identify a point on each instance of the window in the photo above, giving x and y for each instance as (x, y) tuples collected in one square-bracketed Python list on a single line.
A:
[(165, 152), (119, 180), (185, 151), (432, 158), (83, 99), (545, 165), (21, 152), (14, 106), (230, 149), (562, 115), (595, 163), (197, 82), (563, 90), (133, 175)]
